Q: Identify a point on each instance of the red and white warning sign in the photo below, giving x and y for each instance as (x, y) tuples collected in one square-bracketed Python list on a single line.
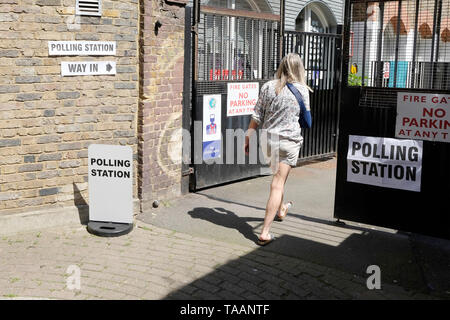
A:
[(423, 116), (386, 70), (242, 98)]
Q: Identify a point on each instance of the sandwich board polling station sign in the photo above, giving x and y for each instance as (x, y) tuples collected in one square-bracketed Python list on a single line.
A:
[(110, 189)]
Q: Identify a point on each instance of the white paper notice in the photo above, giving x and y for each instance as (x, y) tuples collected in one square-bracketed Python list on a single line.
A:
[(242, 98), (423, 116), (385, 162)]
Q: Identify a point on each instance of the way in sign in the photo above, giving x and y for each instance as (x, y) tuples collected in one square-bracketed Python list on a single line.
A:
[(82, 67), (88, 68)]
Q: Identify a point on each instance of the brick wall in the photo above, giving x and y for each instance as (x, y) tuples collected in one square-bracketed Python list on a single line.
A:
[(161, 90), (48, 121)]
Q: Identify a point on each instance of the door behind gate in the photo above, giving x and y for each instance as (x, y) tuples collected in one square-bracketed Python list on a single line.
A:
[(321, 55)]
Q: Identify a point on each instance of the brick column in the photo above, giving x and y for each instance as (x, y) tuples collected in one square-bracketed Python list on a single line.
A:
[(160, 105)]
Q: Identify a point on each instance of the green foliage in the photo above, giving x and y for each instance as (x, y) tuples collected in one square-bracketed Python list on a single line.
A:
[(355, 80)]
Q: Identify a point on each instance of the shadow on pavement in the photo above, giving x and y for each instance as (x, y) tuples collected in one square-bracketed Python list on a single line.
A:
[(262, 274), (81, 205), (227, 219), (310, 245), (350, 249)]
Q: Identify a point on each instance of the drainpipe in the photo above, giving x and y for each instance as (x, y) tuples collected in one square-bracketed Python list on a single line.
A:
[(281, 30)]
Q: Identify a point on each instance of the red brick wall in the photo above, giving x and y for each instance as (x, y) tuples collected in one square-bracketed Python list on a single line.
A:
[(160, 106)]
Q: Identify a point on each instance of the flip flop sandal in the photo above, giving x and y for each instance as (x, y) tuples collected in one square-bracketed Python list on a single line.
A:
[(266, 242), (286, 206)]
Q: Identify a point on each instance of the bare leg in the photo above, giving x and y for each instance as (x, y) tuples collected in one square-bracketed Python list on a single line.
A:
[(275, 198), (281, 204)]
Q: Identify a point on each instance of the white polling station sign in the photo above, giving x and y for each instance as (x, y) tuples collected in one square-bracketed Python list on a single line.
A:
[(110, 182), (81, 48), (385, 162), (87, 68)]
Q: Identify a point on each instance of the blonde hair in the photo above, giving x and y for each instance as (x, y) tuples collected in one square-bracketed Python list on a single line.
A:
[(291, 70)]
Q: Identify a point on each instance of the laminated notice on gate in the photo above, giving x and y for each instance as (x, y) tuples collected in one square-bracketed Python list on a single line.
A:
[(385, 162), (212, 126), (423, 116), (241, 98)]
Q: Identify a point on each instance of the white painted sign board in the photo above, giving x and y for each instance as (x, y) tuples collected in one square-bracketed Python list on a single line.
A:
[(110, 183), (87, 68), (81, 48), (423, 116), (385, 162)]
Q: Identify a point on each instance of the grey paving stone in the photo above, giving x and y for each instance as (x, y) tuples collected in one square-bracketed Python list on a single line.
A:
[(154, 265)]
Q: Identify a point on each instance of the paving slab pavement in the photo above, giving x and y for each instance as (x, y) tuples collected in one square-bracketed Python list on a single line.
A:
[(201, 246), (234, 213), (155, 263)]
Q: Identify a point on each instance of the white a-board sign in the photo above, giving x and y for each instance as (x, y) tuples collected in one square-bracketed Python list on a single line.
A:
[(110, 183), (81, 48), (87, 68)]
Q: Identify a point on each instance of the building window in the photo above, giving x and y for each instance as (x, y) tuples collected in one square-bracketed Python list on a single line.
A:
[(237, 47), (315, 17)]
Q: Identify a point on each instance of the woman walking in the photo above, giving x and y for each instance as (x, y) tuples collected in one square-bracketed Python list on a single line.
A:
[(277, 112)]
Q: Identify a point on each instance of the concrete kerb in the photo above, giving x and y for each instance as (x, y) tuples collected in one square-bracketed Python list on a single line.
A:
[(47, 218)]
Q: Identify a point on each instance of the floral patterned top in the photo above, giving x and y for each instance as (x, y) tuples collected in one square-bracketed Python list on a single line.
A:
[(279, 114)]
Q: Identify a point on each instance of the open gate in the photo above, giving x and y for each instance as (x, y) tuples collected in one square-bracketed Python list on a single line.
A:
[(321, 55), (396, 107), (230, 47), (239, 46)]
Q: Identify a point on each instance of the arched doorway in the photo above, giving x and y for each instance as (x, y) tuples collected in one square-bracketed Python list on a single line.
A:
[(316, 17), (246, 5), (233, 45)]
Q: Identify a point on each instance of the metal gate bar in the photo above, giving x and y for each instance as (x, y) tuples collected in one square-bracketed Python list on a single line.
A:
[(231, 47), (369, 109), (320, 53)]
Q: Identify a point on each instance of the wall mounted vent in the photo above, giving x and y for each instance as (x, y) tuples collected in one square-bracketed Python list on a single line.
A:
[(89, 8)]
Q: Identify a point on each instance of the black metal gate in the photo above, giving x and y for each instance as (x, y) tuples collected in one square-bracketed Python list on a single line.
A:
[(393, 50), (233, 46), (321, 55), (230, 46)]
